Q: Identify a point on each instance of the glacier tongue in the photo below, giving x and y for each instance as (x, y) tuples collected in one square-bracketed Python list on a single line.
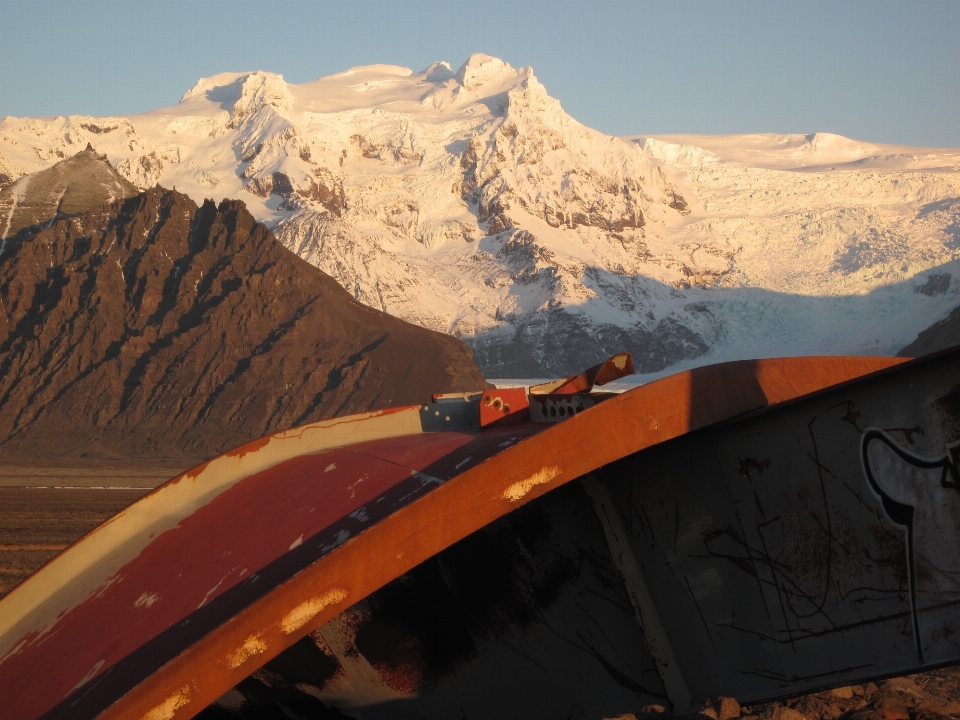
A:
[(469, 202)]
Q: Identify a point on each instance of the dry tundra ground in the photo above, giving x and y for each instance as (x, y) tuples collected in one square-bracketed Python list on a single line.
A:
[(45, 507)]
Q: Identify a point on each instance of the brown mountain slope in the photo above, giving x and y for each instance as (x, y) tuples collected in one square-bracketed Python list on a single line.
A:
[(78, 184), (155, 328), (939, 336)]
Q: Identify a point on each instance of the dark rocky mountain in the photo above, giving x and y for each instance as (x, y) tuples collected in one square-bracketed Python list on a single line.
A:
[(78, 184), (939, 336), (152, 327)]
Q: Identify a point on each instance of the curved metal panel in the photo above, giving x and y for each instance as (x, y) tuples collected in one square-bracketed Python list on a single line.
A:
[(164, 608)]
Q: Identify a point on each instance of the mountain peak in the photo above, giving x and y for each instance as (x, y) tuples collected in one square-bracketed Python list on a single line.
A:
[(438, 72), (244, 93), (472, 203), (203, 87), (480, 69), (232, 339), (75, 185), (260, 89)]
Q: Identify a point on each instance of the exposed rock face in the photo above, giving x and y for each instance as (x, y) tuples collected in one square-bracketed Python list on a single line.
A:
[(78, 184), (153, 327), (541, 161), (939, 336)]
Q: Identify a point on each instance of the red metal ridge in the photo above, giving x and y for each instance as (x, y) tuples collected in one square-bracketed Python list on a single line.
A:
[(613, 368), (506, 406)]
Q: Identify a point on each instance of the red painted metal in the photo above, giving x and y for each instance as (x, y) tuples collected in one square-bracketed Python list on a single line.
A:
[(229, 553), (282, 551), (506, 406)]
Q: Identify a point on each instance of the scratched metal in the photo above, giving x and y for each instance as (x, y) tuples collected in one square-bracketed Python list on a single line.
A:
[(815, 544)]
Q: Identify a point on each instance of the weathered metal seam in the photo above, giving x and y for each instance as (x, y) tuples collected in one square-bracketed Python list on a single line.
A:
[(655, 635)]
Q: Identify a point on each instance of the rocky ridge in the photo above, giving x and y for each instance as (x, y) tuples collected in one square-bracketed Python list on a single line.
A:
[(75, 185), (940, 335), (152, 327), (470, 203)]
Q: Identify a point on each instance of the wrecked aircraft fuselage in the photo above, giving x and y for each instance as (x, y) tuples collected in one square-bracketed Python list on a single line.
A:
[(754, 529)]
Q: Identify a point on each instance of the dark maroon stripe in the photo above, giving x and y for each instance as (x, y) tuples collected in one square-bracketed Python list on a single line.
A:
[(221, 558)]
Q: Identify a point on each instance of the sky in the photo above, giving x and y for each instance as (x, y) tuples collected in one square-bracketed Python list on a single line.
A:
[(868, 69)]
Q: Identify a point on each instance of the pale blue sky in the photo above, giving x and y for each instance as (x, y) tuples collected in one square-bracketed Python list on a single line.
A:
[(869, 69)]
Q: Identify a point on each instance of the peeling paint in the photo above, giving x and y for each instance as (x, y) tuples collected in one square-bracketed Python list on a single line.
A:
[(250, 447), (341, 537), (518, 490), (360, 514), (211, 591), (16, 649), (253, 645), (305, 611), (167, 709), (146, 600), (296, 543)]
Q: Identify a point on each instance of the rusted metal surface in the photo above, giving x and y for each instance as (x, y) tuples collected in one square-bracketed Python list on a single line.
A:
[(613, 368), (504, 623), (165, 617)]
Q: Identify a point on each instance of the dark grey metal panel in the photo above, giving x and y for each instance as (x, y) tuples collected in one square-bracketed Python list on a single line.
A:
[(774, 561), (679, 517)]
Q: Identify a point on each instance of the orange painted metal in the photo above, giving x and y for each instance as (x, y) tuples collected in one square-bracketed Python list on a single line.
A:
[(613, 368), (478, 493)]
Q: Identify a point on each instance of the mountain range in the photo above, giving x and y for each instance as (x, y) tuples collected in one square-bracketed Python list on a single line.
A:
[(148, 326), (470, 203)]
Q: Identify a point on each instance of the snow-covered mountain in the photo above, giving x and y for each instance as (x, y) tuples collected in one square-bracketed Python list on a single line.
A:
[(470, 202)]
